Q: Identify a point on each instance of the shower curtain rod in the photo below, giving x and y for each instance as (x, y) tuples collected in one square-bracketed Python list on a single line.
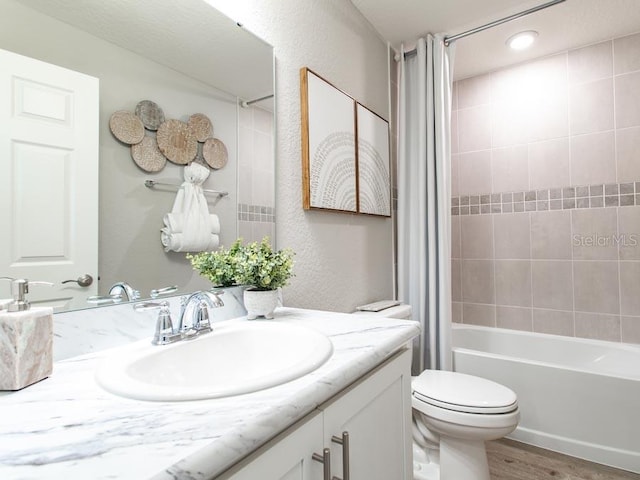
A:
[(449, 39)]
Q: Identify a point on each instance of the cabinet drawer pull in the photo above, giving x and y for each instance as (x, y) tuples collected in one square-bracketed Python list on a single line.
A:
[(325, 459), (344, 441)]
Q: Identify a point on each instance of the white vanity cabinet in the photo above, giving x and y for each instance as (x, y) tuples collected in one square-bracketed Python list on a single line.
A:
[(374, 412)]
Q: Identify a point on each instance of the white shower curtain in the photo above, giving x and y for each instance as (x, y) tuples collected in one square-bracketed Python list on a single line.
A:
[(424, 198)]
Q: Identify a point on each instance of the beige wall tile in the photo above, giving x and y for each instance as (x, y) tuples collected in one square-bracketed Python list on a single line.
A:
[(591, 63), (477, 236), (456, 281), (454, 96), (477, 281), (594, 234), (513, 282), (474, 129), (549, 163), (555, 322), (510, 85), (629, 233), (511, 236), (547, 98), (552, 284), (630, 288), (598, 326), (454, 132), (483, 315), (455, 175), (456, 312), (474, 91), (551, 235), (509, 123), (510, 169), (630, 329), (626, 58), (628, 154), (514, 318), (474, 172), (593, 158), (628, 100), (596, 287), (456, 251), (591, 107)]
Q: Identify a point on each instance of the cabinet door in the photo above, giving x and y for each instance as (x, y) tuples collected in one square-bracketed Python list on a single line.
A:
[(376, 413), (288, 457)]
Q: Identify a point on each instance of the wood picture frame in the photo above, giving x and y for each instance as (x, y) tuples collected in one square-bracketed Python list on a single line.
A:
[(328, 145), (345, 151)]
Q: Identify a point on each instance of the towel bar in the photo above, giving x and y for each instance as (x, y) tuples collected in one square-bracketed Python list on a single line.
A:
[(153, 184)]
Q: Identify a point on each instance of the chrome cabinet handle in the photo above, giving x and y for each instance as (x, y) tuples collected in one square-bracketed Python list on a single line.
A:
[(325, 459), (82, 281), (344, 441)]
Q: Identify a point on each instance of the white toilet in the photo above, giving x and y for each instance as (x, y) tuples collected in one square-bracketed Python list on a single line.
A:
[(453, 415)]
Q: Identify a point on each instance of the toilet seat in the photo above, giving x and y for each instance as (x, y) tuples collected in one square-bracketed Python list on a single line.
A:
[(463, 393)]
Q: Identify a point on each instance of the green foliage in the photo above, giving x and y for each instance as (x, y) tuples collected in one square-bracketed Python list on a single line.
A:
[(219, 267), (254, 264)]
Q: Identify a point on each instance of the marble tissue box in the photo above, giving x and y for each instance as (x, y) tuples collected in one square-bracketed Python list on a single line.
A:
[(26, 344)]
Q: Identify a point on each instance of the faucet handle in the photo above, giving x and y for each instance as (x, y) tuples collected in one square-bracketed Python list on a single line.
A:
[(156, 292), (164, 333), (202, 323)]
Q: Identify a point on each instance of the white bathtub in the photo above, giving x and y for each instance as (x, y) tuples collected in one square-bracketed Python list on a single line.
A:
[(580, 397)]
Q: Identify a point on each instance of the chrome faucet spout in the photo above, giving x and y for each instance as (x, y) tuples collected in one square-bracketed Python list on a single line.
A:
[(125, 290), (195, 313)]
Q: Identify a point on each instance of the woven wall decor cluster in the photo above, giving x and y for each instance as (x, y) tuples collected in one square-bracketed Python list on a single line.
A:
[(154, 140)]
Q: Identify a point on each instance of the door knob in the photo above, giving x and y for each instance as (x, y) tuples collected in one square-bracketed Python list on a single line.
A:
[(82, 281)]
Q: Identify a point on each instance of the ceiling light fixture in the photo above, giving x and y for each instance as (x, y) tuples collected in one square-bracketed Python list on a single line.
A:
[(522, 40)]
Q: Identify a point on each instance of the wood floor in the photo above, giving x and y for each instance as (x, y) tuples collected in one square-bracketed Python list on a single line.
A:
[(510, 460)]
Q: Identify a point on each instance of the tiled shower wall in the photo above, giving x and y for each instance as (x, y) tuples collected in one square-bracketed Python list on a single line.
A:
[(256, 175), (546, 199)]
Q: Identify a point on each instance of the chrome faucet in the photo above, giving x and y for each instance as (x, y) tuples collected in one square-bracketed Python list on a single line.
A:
[(194, 313), (194, 317), (124, 290)]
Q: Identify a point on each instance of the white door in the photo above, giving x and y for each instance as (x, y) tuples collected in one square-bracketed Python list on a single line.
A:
[(48, 179)]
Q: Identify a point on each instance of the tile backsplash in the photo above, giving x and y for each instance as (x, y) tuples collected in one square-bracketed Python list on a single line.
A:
[(546, 194)]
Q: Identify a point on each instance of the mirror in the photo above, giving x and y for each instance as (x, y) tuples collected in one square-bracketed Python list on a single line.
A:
[(188, 58)]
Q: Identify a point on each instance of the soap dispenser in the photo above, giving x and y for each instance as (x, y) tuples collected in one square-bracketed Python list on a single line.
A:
[(26, 339)]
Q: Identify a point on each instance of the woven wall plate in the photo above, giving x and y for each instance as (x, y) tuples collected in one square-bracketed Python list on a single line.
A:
[(150, 113), (201, 126), (215, 153), (177, 142), (126, 127), (147, 155)]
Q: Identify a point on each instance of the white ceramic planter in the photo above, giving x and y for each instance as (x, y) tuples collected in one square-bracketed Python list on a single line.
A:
[(260, 303)]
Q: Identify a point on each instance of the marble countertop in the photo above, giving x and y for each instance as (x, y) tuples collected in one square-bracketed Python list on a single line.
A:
[(67, 427)]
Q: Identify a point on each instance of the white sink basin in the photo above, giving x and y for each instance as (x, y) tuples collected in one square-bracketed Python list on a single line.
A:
[(236, 358)]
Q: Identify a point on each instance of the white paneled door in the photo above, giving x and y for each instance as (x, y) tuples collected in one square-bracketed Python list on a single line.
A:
[(48, 179)]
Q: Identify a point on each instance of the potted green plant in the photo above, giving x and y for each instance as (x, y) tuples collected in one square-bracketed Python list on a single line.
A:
[(219, 266), (264, 271), (256, 265)]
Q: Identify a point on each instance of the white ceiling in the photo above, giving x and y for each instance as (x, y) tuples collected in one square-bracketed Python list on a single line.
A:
[(567, 25)]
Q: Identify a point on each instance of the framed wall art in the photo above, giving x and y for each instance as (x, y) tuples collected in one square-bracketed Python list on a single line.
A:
[(374, 176), (345, 151), (328, 145)]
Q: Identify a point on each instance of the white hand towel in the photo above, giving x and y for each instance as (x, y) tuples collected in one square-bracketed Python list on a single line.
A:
[(190, 227), (175, 222)]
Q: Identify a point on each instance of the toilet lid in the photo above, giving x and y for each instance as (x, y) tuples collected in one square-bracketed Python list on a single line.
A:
[(463, 393)]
